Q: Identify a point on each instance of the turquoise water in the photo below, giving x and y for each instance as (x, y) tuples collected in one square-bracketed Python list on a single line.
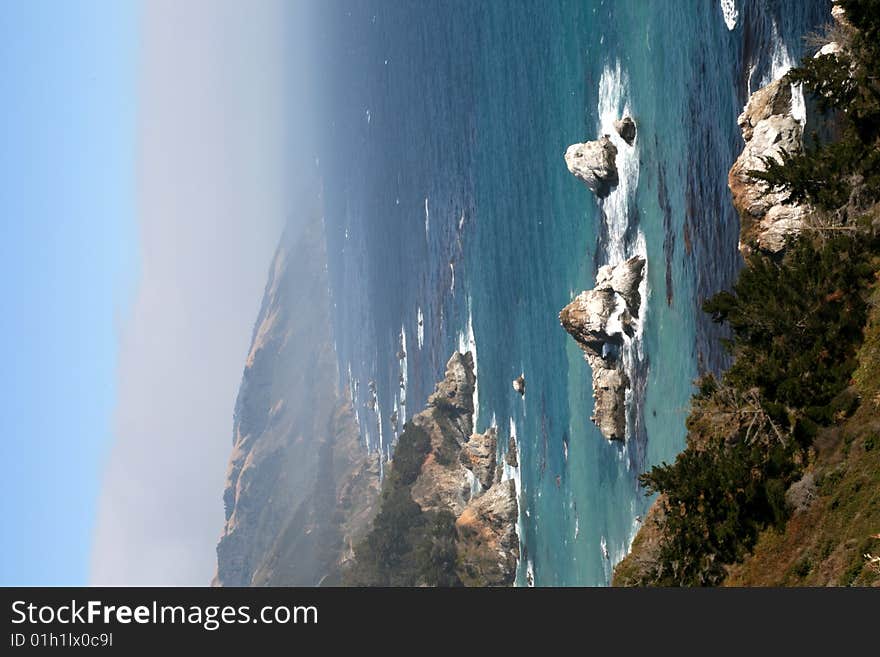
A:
[(446, 194)]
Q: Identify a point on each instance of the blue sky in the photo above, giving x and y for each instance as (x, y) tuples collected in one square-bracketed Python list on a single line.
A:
[(69, 258)]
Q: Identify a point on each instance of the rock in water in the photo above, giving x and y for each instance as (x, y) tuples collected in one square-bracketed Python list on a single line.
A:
[(609, 394), (624, 279), (594, 162), (626, 128), (519, 384), (769, 131), (598, 320), (510, 457)]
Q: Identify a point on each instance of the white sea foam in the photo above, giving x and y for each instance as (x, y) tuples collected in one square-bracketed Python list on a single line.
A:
[(427, 218), (404, 374), (614, 325), (614, 104), (420, 327), (379, 424), (476, 486), (781, 61), (452, 284), (731, 15)]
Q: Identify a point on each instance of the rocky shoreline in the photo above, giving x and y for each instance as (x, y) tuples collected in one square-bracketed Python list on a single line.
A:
[(769, 131), (471, 486), (456, 474)]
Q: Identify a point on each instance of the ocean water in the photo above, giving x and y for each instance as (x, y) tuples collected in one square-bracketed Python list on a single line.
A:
[(453, 223)]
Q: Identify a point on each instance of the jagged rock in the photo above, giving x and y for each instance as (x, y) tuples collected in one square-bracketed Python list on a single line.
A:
[(587, 317), (598, 320), (519, 384), (479, 456), (586, 320), (448, 420), (624, 279), (775, 98), (770, 138), (441, 487), (609, 395), (594, 162), (769, 130), (780, 223), (456, 393), (488, 546), (486, 542), (626, 128), (510, 456)]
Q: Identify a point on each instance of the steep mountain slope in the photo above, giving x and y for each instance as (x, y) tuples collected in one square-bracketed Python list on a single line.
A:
[(299, 487), (835, 506)]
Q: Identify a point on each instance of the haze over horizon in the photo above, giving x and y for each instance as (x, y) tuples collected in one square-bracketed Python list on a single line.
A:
[(220, 128)]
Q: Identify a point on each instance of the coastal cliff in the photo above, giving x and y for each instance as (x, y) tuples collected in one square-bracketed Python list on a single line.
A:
[(448, 513), (769, 131), (778, 483), (300, 488)]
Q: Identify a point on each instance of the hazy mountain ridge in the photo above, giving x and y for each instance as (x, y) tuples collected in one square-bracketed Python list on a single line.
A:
[(299, 485)]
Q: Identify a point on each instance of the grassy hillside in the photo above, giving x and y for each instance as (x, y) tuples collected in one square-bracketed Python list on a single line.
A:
[(825, 542)]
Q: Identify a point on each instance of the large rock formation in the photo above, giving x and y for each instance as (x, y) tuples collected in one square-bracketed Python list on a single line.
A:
[(300, 489), (485, 507), (594, 162), (458, 474), (769, 130), (600, 320)]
